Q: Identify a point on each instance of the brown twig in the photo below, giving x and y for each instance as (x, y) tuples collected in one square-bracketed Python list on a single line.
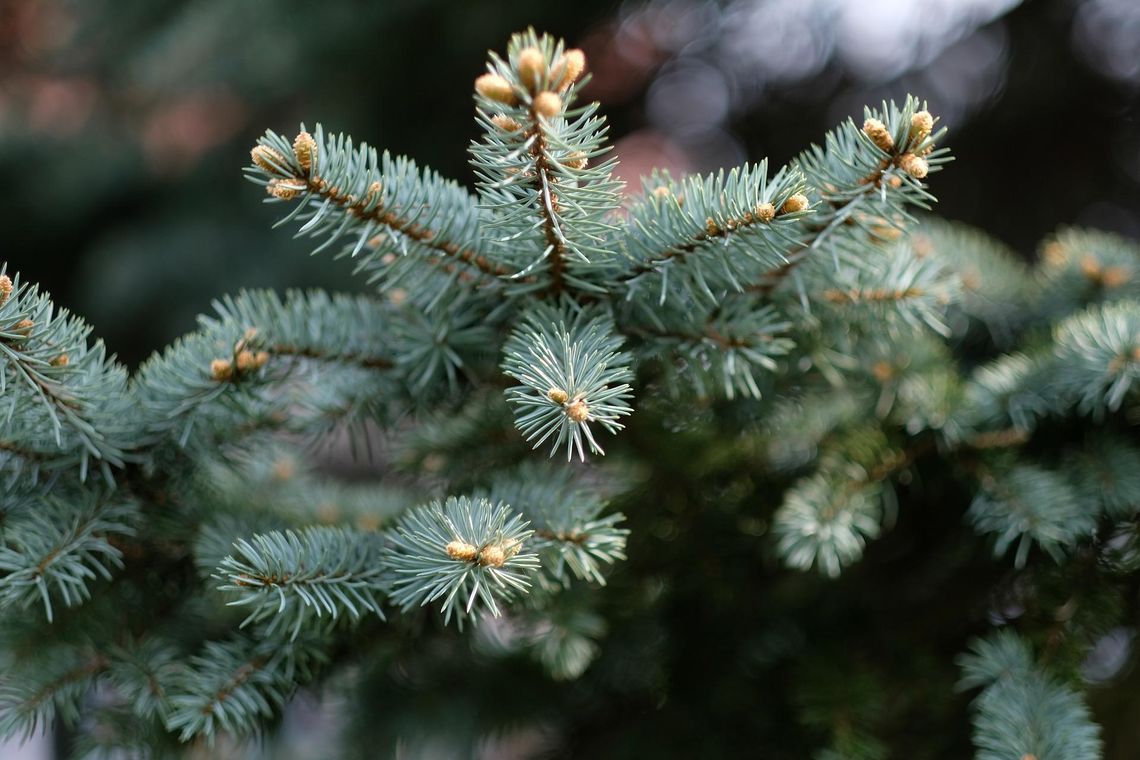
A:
[(368, 362), (548, 204), (359, 208)]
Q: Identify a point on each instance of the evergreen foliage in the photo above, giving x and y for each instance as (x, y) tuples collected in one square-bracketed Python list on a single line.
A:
[(792, 327)]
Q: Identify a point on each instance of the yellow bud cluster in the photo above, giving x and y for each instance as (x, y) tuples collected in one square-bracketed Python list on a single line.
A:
[(576, 160), (914, 165), (578, 410), (879, 135), (1106, 277), (462, 551), (305, 149), (547, 104), (505, 123), (794, 204), (546, 84), (248, 361), (284, 469), (497, 88), (531, 66), (221, 370), (269, 159), (921, 125), (492, 556), (373, 194), (245, 360), (1116, 276), (567, 69), (285, 189)]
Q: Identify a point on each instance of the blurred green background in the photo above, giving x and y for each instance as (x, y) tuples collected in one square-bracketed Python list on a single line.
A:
[(124, 123)]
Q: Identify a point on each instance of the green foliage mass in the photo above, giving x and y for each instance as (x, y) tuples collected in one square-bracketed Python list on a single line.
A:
[(789, 372)]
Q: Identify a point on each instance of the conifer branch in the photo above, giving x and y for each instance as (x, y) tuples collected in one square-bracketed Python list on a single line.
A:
[(289, 579), (364, 210), (718, 231), (31, 702), (696, 238), (141, 671), (232, 684), (544, 276), (571, 536), (727, 348), (181, 392), (1023, 711), (386, 204), (826, 519), (572, 373), (888, 158), (547, 200), (866, 295), (462, 551), (55, 547), (534, 170), (62, 398), (1029, 504)]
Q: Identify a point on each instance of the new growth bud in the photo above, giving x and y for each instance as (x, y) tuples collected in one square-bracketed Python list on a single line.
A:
[(505, 123), (547, 104), (576, 160), (914, 166), (221, 370), (765, 212), (284, 189), (492, 556), (5, 288), (495, 87), (374, 192), (879, 134), (269, 159), (578, 411), (567, 69), (1054, 254), (305, 149), (921, 125), (462, 551), (531, 67), (1090, 267), (247, 360), (557, 395), (1116, 276), (797, 202)]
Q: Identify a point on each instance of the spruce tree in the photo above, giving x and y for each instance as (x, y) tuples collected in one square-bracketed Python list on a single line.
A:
[(803, 367)]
